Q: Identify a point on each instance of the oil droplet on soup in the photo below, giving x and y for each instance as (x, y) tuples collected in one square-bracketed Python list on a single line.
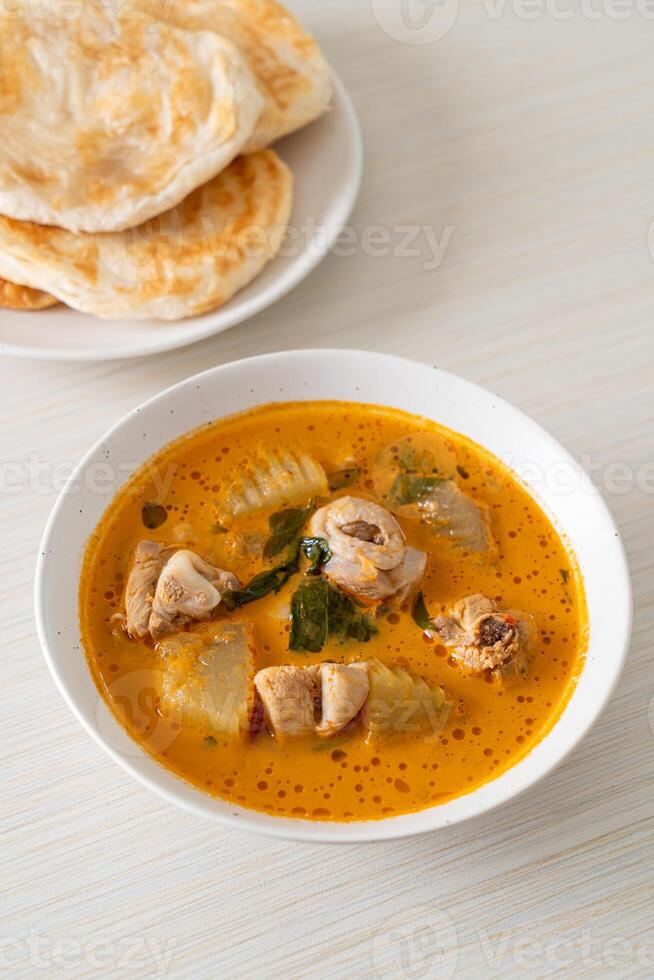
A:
[(490, 723)]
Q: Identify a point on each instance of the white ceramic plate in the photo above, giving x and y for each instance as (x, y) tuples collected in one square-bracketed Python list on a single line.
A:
[(552, 475), (326, 159)]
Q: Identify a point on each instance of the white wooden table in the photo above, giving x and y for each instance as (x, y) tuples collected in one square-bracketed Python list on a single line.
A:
[(529, 145)]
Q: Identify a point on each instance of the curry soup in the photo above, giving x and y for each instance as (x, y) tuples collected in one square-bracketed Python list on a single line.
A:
[(482, 718)]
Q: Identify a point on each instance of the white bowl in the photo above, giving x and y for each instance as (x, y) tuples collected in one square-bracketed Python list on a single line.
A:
[(579, 513), (326, 159)]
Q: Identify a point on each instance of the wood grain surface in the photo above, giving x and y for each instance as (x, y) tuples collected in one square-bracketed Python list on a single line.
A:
[(525, 147)]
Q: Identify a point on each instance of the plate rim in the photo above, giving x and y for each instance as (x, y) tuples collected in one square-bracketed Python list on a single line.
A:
[(305, 264)]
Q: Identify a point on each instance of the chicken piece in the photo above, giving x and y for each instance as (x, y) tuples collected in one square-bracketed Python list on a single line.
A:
[(482, 637), (400, 703), (208, 677), (389, 699), (149, 560), (370, 558), (447, 508), (290, 696), (344, 689), (188, 589), (287, 695), (408, 575), (279, 478), (360, 531)]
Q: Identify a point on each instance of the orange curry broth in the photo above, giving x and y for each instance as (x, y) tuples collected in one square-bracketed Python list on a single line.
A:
[(491, 725)]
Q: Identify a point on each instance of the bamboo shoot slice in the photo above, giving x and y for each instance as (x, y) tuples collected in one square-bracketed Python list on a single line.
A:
[(271, 479), (208, 677), (399, 703)]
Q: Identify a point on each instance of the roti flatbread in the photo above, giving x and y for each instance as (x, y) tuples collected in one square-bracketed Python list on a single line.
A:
[(187, 261), (107, 118), (15, 297), (287, 63)]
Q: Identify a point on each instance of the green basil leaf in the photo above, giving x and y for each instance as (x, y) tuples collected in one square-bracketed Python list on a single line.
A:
[(318, 553), (345, 620), (310, 616), (343, 478), (153, 515), (284, 528), (420, 613), (272, 580), (408, 489), (318, 611), (413, 460)]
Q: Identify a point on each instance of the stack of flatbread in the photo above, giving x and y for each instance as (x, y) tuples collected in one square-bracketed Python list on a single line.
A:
[(135, 175)]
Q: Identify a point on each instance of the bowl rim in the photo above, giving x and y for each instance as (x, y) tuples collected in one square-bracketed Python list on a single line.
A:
[(305, 263), (199, 803)]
